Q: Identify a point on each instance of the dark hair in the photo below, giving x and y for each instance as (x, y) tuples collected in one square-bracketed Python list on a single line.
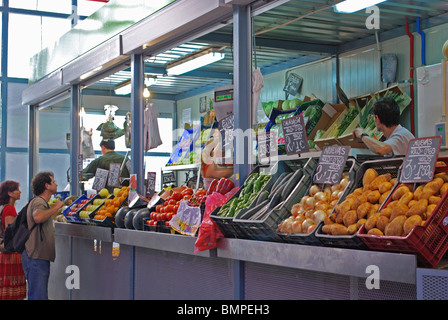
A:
[(387, 111), (108, 144), (39, 181), (5, 187)]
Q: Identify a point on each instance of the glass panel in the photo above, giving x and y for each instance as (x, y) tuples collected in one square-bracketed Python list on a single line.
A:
[(87, 7), (16, 169), (59, 6), (26, 42), (53, 127), (17, 117), (58, 164)]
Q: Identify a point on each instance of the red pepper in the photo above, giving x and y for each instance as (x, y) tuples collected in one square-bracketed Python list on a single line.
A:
[(228, 185), (219, 187), (212, 187)]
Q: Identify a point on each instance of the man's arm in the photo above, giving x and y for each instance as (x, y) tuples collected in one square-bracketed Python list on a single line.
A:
[(42, 215), (376, 146)]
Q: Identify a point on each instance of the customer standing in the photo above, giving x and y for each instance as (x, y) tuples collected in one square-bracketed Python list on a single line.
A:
[(12, 277), (40, 247)]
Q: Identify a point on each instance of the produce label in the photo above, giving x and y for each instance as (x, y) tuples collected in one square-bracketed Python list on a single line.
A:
[(331, 164), (267, 145), (100, 179), (295, 135), (419, 163), (114, 175), (150, 184)]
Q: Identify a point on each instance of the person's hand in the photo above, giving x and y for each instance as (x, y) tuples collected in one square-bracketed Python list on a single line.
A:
[(58, 204), (357, 133)]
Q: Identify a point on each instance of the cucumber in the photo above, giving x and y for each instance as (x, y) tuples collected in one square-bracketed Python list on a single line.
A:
[(275, 200), (246, 215), (259, 213), (279, 179), (280, 183), (292, 182), (262, 196)]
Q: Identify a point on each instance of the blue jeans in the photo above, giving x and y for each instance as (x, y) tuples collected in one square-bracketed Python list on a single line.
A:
[(37, 273)]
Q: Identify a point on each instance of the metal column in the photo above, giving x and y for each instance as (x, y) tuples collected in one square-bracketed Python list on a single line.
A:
[(242, 70), (75, 139), (137, 121), (33, 146)]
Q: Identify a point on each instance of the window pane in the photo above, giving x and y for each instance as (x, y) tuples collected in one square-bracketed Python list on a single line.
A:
[(17, 117), (87, 7), (59, 6), (16, 169), (154, 164), (58, 164), (53, 127), (23, 4)]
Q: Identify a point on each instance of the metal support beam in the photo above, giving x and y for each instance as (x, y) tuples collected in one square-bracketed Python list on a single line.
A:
[(137, 121), (242, 70), (75, 139), (33, 146), (335, 77)]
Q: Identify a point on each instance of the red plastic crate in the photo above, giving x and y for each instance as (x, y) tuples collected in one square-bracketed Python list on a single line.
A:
[(429, 242)]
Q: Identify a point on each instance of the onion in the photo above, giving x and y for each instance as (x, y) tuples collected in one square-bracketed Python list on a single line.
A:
[(309, 203), (287, 224), (311, 228), (335, 195), (319, 215), (307, 223), (344, 182), (333, 203), (303, 200), (296, 227), (322, 196), (313, 190), (321, 205)]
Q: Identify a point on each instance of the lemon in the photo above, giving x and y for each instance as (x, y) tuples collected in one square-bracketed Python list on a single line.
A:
[(104, 193)]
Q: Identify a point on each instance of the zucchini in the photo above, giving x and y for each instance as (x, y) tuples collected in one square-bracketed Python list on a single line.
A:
[(262, 196), (275, 200), (246, 215), (292, 182), (281, 183), (259, 213), (279, 179)]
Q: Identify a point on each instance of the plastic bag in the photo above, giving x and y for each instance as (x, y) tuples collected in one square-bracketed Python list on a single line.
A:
[(209, 233), (187, 219)]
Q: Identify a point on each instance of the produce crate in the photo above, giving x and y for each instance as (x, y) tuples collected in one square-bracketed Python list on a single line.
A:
[(74, 217), (265, 229), (226, 224), (382, 166), (107, 221), (328, 138), (90, 202), (351, 167), (429, 241)]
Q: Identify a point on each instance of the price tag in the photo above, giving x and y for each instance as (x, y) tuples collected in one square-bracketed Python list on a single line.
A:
[(267, 145), (100, 179), (331, 164), (114, 175), (150, 184), (168, 178), (419, 163), (295, 135), (293, 84)]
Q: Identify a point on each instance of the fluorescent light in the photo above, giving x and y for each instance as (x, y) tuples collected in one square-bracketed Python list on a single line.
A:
[(123, 90), (350, 6), (195, 61)]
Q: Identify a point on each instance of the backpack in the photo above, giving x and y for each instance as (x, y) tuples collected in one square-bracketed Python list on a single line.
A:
[(17, 233)]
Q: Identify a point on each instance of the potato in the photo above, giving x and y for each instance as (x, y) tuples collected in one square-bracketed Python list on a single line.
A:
[(360, 199), (384, 197), (385, 187), (345, 206), (395, 227), (326, 228), (350, 217), (406, 197), (430, 210), (399, 192), (337, 229), (371, 222), (392, 204), (419, 208), (399, 210), (360, 222), (410, 222), (386, 212), (375, 232), (412, 202), (375, 184), (393, 181), (368, 177), (339, 217), (363, 209), (433, 200), (418, 191), (352, 229), (442, 175), (443, 189), (382, 222), (373, 196)]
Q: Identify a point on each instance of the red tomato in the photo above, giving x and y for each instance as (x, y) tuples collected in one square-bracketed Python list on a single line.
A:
[(163, 216), (187, 197), (177, 196), (167, 223), (187, 191), (172, 202), (170, 216), (158, 207), (157, 217), (151, 215), (175, 208), (169, 208)]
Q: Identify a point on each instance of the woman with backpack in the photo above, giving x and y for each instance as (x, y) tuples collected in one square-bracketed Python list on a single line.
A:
[(12, 277)]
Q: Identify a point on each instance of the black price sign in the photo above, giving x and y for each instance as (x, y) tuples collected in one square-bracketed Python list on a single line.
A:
[(150, 184), (168, 178), (293, 84), (100, 179), (295, 135), (331, 164), (267, 145), (419, 163), (114, 175), (225, 127)]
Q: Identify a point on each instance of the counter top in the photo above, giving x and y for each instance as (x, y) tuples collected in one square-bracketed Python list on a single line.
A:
[(83, 231)]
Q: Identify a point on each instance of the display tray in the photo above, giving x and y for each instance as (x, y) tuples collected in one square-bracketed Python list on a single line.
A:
[(265, 229), (107, 221), (429, 241), (382, 166), (351, 167), (71, 216), (159, 227)]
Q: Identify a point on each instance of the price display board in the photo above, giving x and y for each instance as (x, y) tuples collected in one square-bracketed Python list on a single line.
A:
[(293, 84), (295, 135), (168, 178), (267, 145), (100, 179), (331, 164), (420, 160), (114, 175), (150, 184)]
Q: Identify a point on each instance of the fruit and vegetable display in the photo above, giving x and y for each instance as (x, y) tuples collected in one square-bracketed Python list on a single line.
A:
[(361, 204), (407, 207), (249, 192), (112, 203), (313, 208)]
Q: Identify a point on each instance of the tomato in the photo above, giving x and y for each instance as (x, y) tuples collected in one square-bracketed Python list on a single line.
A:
[(187, 197), (167, 223), (169, 208), (158, 207), (170, 216), (172, 202), (177, 196), (201, 192), (152, 214), (163, 216), (157, 217), (175, 208), (187, 191)]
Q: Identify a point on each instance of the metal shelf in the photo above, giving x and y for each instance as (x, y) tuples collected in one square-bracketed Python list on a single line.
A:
[(182, 167)]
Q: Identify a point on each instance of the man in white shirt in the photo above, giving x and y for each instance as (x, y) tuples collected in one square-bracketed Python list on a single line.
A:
[(387, 120)]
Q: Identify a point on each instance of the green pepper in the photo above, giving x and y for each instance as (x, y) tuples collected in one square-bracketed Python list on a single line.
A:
[(249, 179)]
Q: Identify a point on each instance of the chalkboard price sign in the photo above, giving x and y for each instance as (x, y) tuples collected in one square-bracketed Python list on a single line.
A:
[(295, 135), (168, 178), (225, 127), (419, 163), (331, 164), (150, 184), (267, 145), (293, 84), (100, 179), (114, 175)]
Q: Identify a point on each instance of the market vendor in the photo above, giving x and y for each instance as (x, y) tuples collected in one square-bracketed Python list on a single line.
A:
[(209, 168), (108, 156), (387, 120)]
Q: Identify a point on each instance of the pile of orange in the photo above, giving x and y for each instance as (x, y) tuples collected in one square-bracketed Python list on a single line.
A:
[(112, 204)]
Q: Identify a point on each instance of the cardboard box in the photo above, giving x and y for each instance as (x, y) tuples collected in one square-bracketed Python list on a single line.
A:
[(329, 122)]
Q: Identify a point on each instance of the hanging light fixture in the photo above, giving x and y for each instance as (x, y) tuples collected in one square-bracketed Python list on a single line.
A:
[(194, 61), (350, 6), (146, 93)]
